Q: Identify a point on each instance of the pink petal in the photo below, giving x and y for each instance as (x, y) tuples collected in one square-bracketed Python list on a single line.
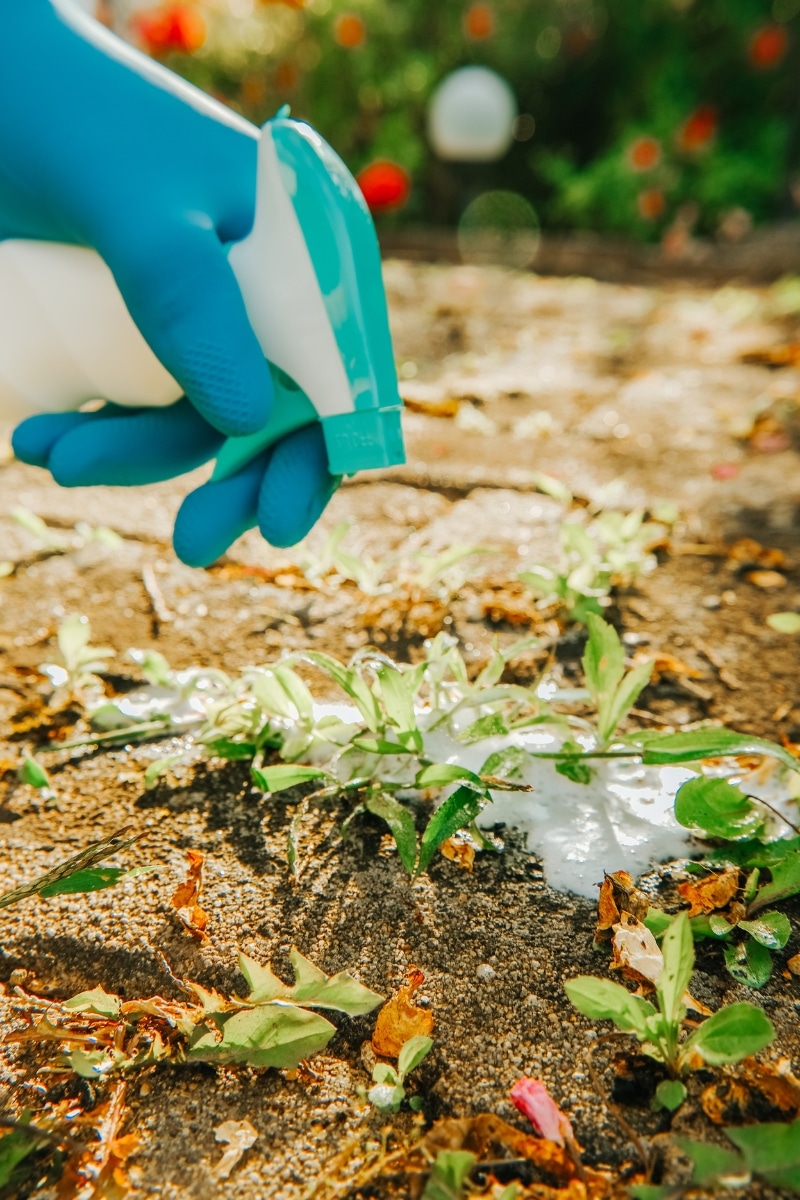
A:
[(532, 1099)]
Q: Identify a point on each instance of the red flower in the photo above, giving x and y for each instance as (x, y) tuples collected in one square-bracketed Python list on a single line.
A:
[(479, 22), (349, 31), (644, 153), (651, 203), (173, 27), (698, 129), (767, 46), (385, 185)]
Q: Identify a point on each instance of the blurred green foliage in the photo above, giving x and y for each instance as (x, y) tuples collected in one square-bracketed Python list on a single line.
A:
[(716, 83)]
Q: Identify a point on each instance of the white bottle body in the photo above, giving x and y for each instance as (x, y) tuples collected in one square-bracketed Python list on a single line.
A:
[(66, 336)]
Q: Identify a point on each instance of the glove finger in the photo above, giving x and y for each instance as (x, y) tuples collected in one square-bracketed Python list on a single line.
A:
[(297, 486), (133, 447), (183, 295), (216, 514), (34, 438)]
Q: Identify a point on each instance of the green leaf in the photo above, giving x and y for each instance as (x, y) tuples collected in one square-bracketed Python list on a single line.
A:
[(154, 667), (626, 695), (449, 1175), (271, 1035), (233, 751), (784, 622), (401, 823), (98, 1001), (651, 1191), (678, 950), (731, 1034), (412, 1053), (772, 929), (157, 769), (754, 853), (33, 773), (284, 776), (311, 987), (603, 665), (93, 879), (717, 808), (14, 1149), (749, 963), (772, 1151), (457, 811), (670, 1094), (492, 725), (296, 690), (90, 1064), (661, 749), (657, 921), (440, 774), (576, 769), (386, 1096), (380, 746), (385, 1073), (397, 693), (785, 882), (711, 1163), (604, 1000), (352, 685), (66, 871), (506, 763)]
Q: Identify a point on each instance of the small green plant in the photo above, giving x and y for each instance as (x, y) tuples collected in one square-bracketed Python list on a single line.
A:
[(274, 1026), (76, 675), (53, 541), (769, 1152), (388, 1092), (450, 1174), (728, 1036), (719, 809), (611, 550)]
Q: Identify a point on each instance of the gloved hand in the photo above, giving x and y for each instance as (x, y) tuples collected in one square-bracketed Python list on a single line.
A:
[(284, 490), (99, 146)]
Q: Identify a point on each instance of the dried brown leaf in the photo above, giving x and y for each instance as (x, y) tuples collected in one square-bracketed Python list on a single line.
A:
[(757, 1093), (460, 851), (767, 580), (618, 895), (186, 897), (401, 1019), (711, 894)]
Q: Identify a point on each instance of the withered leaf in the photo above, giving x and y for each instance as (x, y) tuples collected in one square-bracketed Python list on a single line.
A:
[(187, 896), (460, 851), (401, 1019), (618, 894), (757, 1094), (711, 894)]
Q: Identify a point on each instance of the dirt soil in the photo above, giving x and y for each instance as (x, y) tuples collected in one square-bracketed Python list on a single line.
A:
[(631, 396)]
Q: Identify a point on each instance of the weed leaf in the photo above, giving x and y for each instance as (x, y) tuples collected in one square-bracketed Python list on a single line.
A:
[(772, 929), (311, 988), (772, 1150), (401, 823), (731, 1034), (749, 963), (717, 808), (284, 776), (412, 1054), (678, 950), (457, 811), (604, 1000), (271, 1035), (661, 749)]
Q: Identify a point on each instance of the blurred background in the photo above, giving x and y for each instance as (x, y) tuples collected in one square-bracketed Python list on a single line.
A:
[(663, 120)]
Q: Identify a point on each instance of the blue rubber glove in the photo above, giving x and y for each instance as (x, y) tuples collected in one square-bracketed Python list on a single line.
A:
[(99, 146), (284, 491)]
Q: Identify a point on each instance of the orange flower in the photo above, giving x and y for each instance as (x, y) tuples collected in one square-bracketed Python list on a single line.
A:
[(385, 185), (349, 31), (698, 129), (651, 204), (644, 154), (479, 22), (173, 27), (767, 46)]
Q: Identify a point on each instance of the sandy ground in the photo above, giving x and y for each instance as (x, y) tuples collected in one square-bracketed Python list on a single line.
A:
[(631, 396)]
